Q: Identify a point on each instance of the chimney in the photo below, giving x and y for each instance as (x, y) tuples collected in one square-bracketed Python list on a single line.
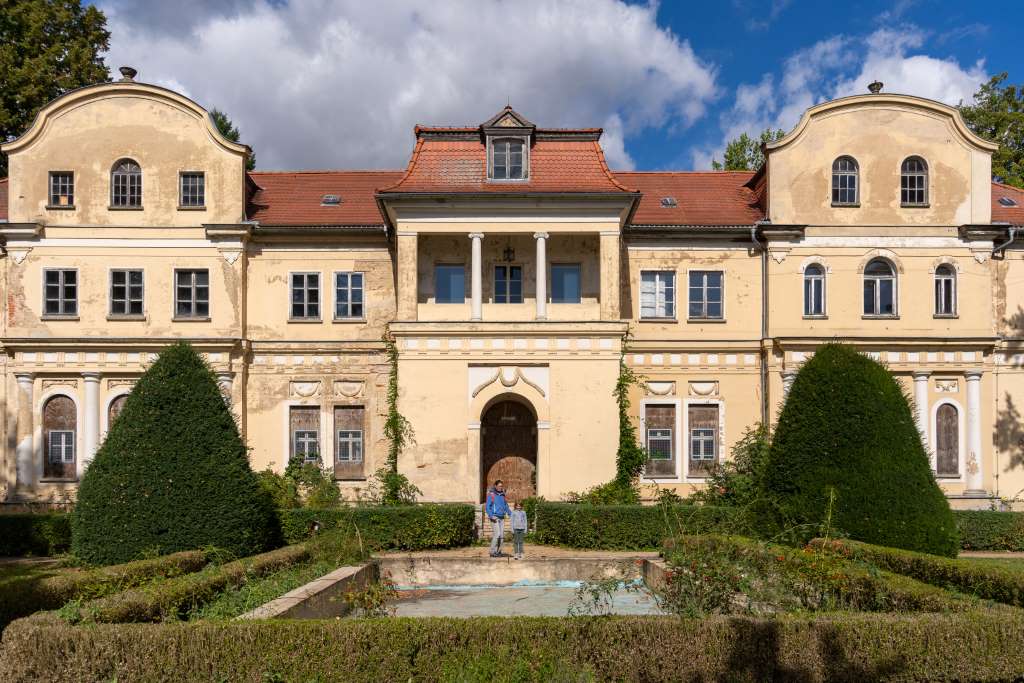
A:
[(127, 73), (875, 87)]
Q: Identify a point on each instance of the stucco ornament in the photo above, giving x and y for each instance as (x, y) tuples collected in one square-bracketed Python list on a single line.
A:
[(946, 386), (703, 388), (115, 382), (661, 388), (348, 388), (60, 382), (19, 255), (972, 463), (508, 377), (305, 389)]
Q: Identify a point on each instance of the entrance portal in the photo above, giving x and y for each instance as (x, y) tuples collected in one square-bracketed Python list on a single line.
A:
[(508, 449)]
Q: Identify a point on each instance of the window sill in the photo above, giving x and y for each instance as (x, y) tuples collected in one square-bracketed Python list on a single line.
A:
[(190, 319), (450, 303), (115, 317), (305, 320), (52, 316), (705, 320), (815, 317), (58, 481), (879, 317), (192, 208), (659, 320), (946, 316), (60, 207), (508, 180), (843, 205), (360, 478), (349, 320), (124, 208), (565, 302), (915, 206)]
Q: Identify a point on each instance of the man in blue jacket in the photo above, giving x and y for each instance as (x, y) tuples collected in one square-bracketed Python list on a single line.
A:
[(496, 509)]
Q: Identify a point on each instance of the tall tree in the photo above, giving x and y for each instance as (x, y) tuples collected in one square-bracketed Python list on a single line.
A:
[(230, 131), (744, 153), (998, 115), (47, 47)]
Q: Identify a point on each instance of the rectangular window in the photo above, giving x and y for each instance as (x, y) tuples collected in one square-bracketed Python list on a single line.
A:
[(507, 159), (192, 189), (62, 446), (62, 189), (660, 423), (60, 296), (703, 426), (348, 295), (192, 293), (304, 426), (508, 284), (449, 283), (565, 283), (305, 296), (126, 292), (657, 294), (349, 428), (945, 297), (706, 294), (814, 296)]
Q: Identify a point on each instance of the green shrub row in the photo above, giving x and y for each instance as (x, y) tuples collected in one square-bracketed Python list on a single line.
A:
[(976, 646), (23, 595), (26, 534), (627, 527), (404, 527), (990, 530), (992, 582)]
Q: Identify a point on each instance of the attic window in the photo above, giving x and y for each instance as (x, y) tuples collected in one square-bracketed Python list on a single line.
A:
[(1006, 201), (330, 200), (669, 203), (509, 159)]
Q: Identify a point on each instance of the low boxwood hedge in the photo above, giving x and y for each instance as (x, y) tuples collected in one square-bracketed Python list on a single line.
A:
[(34, 534), (976, 646), (404, 527), (628, 527), (990, 530)]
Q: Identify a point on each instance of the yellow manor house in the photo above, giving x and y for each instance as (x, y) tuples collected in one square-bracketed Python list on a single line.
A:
[(510, 266)]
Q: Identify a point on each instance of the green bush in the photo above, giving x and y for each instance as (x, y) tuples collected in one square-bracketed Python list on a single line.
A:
[(990, 530), (26, 534), (627, 527), (846, 430), (403, 527), (172, 473), (973, 646)]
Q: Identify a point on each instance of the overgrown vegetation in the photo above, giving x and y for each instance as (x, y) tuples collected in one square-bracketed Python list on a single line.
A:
[(172, 473), (395, 488), (404, 527), (739, 481), (26, 534)]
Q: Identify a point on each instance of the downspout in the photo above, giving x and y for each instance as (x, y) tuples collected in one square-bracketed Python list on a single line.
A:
[(1012, 235), (760, 246)]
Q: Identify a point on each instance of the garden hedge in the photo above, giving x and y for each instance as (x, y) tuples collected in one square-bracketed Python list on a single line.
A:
[(403, 527), (975, 646), (42, 534), (846, 452), (627, 527), (990, 530)]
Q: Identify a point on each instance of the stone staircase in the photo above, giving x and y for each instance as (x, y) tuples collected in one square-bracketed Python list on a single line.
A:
[(483, 525)]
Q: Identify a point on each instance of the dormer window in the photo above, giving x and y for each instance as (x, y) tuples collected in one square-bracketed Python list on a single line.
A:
[(508, 159)]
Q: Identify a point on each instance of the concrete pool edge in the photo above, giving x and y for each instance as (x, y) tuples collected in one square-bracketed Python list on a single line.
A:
[(320, 598)]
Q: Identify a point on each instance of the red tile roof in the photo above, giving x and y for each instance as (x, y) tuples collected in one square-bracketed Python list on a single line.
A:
[(701, 197), (3, 199), (295, 197), (1008, 214), (459, 165)]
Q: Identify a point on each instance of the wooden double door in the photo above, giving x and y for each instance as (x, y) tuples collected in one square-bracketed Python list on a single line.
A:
[(508, 450)]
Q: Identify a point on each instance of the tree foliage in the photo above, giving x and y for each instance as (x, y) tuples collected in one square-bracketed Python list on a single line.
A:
[(847, 449), (744, 153), (998, 115), (230, 131), (172, 473), (47, 47)]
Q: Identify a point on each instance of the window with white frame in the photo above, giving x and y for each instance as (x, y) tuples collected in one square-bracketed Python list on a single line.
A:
[(508, 159), (706, 295), (305, 300), (659, 425), (60, 292), (192, 293), (61, 446), (508, 284), (348, 295), (307, 445), (126, 185), (914, 182), (814, 291), (945, 290), (879, 288), (304, 428), (350, 446), (126, 292), (59, 426), (844, 181), (62, 189), (192, 189), (658, 294), (703, 439)]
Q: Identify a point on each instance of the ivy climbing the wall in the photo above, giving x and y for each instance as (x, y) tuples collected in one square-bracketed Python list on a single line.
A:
[(395, 488)]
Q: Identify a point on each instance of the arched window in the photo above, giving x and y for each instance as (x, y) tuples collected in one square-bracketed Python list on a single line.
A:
[(914, 182), (126, 185), (945, 290), (60, 431), (116, 406), (814, 290), (879, 288), (845, 185), (947, 441)]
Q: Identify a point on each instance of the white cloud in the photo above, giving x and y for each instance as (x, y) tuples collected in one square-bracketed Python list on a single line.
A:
[(329, 84)]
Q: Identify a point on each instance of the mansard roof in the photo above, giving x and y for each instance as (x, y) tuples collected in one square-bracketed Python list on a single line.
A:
[(694, 197), (297, 198), (3, 199), (1007, 214)]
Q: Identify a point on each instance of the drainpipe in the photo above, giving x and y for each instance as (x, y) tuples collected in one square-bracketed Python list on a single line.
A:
[(1012, 234), (762, 247)]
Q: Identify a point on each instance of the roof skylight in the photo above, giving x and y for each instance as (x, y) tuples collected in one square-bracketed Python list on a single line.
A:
[(330, 200), (1006, 201), (669, 203)]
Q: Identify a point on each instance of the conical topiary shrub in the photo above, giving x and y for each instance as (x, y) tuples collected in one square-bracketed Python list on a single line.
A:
[(847, 428), (172, 473)]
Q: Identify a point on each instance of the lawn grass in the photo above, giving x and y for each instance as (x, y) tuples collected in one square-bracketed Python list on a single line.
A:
[(14, 573), (1011, 563)]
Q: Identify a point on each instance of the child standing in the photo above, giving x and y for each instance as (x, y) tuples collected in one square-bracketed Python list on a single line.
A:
[(518, 529)]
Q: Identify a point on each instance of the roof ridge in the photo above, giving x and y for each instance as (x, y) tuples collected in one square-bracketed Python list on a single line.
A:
[(408, 170), (1008, 186), (687, 172)]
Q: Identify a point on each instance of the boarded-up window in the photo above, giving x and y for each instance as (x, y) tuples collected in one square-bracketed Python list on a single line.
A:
[(116, 406), (660, 425), (349, 431), (304, 427), (703, 438), (947, 441), (60, 430)]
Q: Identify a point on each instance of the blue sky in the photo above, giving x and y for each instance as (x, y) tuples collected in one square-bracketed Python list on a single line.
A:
[(340, 83)]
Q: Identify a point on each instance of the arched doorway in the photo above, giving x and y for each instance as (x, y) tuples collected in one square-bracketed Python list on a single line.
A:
[(508, 449)]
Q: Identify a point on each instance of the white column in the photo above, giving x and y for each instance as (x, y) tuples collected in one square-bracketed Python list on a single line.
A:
[(787, 381), (92, 418), (476, 288), (542, 274), (23, 452), (921, 405), (974, 460)]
